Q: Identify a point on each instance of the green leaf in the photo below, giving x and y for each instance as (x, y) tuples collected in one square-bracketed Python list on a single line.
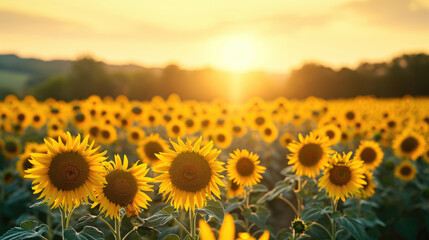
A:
[(162, 217), (353, 226), (259, 188), (147, 232), (28, 229), (172, 236), (259, 216), (213, 209), (233, 203), (286, 170), (88, 233), (282, 187), (284, 234), (85, 219), (313, 213), (39, 204)]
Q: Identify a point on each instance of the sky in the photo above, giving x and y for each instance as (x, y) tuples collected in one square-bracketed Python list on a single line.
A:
[(270, 35)]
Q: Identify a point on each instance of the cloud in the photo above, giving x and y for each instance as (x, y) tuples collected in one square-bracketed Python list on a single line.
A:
[(405, 14), (22, 23)]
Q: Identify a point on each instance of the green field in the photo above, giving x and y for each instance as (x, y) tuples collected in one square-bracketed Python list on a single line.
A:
[(12, 80)]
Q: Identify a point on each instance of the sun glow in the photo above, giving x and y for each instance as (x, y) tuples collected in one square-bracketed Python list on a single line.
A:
[(237, 55)]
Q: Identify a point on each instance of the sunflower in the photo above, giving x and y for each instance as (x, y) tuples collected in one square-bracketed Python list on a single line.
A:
[(222, 137), (238, 128), (176, 128), (269, 132), (67, 174), (227, 231), (38, 120), (189, 174), (244, 169), (368, 188), (309, 156), (80, 119), (332, 132), (135, 135), (149, 146), (11, 148), (343, 177), (123, 188), (370, 153), (405, 171), (409, 145), (286, 139), (192, 125), (24, 163), (107, 135), (234, 189)]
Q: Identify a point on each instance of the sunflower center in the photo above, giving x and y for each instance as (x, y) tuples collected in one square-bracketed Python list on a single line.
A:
[(245, 166), (409, 144), (68, 171), (36, 118), (405, 171), (391, 124), (137, 110), (176, 129), (259, 121), (21, 117), (27, 164), (205, 123), (368, 155), (94, 131), (350, 115), (121, 187), (79, 117), (190, 172), (105, 134), (344, 136), (135, 135), (310, 154), (151, 148), (340, 175), (236, 129), (268, 131), (330, 134), (167, 117), (11, 147), (189, 123), (234, 186), (151, 118), (221, 138)]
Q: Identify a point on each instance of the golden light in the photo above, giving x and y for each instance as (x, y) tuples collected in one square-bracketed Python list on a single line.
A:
[(237, 54)]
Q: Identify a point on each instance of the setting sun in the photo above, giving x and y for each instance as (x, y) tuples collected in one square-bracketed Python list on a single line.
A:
[(237, 55)]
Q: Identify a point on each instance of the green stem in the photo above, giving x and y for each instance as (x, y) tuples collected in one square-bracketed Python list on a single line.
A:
[(117, 229), (290, 204), (182, 227), (333, 223), (132, 230), (42, 237), (192, 224), (323, 227), (108, 225), (49, 223), (298, 198), (63, 221)]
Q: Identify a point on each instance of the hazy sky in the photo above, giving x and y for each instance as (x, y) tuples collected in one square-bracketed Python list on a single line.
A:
[(272, 35)]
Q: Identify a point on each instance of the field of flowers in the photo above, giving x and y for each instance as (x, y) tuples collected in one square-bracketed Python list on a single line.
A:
[(173, 169)]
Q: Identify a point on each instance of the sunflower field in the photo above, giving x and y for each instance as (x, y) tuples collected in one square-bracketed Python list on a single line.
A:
[(170, 169)]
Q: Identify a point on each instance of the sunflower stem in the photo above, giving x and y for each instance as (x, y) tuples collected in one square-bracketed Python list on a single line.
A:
[(323, 227), (63, 221), (290, 204), (117, 229), (192, 218), (333, 223), (108, 225), (182, 227), (132, 230)]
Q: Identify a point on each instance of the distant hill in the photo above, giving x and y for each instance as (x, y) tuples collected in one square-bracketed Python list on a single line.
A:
[(17, 72)]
